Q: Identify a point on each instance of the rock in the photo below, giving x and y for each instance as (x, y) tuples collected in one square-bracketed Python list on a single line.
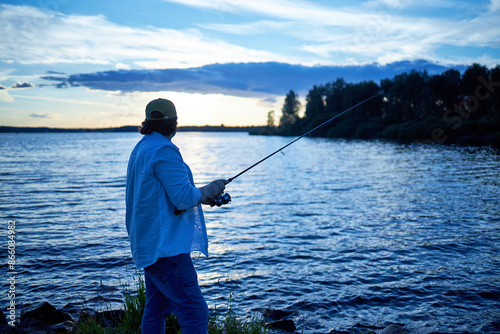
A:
[(32, 326), (39, 318), (32, 323), (274, 314), (63, 328), (286, 325), (3, 319), (7, 329), (36, 311), (393, 329), (38, 331), (279, 323), (56, 317), (73, 309), (334, 331)]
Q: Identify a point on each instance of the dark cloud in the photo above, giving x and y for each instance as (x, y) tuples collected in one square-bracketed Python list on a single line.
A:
[(22, 85), (269, 99), (54, 78), (38, 115), (62, 81), (241, 79), (63, 84), (55, 72), (2, 87)]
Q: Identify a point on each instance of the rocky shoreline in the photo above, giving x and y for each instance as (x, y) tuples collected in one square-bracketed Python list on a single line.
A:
[(43, 317)]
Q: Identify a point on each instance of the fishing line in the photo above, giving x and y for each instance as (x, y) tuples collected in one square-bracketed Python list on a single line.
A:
[(305, 134)]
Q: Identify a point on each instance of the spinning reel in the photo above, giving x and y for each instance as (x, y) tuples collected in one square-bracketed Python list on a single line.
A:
[(222, 199)]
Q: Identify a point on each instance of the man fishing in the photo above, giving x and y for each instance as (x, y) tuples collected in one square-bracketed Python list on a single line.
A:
[(165, 223)]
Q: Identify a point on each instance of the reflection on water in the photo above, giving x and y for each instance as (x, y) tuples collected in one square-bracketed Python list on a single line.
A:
[(337, 232)]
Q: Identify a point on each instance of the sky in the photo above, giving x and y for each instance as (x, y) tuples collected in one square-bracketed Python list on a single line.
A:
[(94, 63)]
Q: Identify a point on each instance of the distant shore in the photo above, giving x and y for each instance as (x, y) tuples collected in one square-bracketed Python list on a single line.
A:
[(129, 128), (397, 133)]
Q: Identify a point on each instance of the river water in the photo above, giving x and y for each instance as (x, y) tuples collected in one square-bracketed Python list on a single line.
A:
[(341, 234)]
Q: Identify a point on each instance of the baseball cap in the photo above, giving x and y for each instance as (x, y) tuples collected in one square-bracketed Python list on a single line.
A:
[(164, 106)]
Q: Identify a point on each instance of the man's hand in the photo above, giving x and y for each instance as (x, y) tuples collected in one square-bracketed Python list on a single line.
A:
[(210, 192)]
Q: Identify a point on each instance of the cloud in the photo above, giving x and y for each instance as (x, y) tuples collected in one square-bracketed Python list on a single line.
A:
[(22, 85), (494, 5), (241, 79), (384, 31), (252, 28), (292, 31), (5, 96), (46, 115), (33, 36), (400, 4), (297, 11), (2, 87), (65, 101)]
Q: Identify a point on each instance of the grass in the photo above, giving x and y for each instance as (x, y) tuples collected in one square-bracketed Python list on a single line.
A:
[(228, 323), (231, 324)]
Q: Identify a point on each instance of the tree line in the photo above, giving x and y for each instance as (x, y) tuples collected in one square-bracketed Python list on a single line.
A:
[(447, 107)]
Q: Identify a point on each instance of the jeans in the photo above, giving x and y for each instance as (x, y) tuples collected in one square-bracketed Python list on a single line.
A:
[(172, 287)]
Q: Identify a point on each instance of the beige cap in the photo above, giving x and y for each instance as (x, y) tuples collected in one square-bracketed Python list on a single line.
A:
[(166, 107)]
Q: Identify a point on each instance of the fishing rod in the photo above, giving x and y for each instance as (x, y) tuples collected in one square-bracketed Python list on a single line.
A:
[(226, 198), (305, 134)]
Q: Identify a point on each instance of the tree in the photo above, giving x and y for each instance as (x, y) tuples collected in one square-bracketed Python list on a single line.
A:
[(495, 86), (414, 104), (361, 91), (408, 97), (475, 106), (445, 89), (315, 102), (335, 96), (290, 111), (270, 119), (420, 95)]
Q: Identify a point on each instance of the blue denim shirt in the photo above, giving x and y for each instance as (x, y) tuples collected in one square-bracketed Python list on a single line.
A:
[(158, 183)]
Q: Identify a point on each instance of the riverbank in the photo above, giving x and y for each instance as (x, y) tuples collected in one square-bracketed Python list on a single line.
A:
[(43, 317)]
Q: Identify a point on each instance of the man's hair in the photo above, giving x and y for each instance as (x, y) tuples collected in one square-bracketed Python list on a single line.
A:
[(165, 127)]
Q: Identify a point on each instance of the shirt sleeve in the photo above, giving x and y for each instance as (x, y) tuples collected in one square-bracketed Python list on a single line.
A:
[(171, 171)]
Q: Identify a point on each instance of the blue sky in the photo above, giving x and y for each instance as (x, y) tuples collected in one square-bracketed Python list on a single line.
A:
[(69, 63)]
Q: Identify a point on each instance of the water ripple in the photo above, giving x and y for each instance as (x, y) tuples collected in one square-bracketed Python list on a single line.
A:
[(339, 233)]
